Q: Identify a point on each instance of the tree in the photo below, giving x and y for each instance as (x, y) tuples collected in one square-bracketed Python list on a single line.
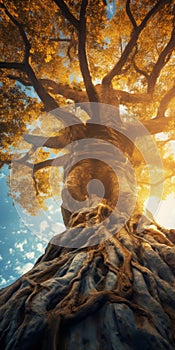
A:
[(108, 281)]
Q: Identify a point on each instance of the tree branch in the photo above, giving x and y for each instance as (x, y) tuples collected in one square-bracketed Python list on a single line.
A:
[(140, 71), (67, 14), (157, 125), (81, 96), (161, 62), (81, 29), (165, 102), (116, 70), (91, 91), (67, 40), (49, 102), (65, 90), (130, 15), (21, 31), (55, 142), (20, 79), (12, 65), (55, 88), (56, 162)]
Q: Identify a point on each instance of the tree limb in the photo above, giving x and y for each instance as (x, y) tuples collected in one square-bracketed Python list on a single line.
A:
[(49, 102), (12, 65), (140, 71), (56, 162), (130, 15), (68, 40), (55, 88), (157, 125), (21, 31), (81, 29), (116, 70), (91, 91), (67, 14), (161, 62), (165, 102)]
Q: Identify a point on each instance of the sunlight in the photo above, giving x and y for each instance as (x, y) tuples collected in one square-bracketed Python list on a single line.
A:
[(165, 215)]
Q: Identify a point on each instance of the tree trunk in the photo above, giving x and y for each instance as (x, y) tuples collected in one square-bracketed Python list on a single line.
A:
[(118, 294), (108, 281)]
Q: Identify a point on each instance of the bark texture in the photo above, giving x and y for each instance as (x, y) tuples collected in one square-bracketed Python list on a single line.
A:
[(118, 294)]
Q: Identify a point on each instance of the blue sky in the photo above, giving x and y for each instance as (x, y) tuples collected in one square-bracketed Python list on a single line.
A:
[(19, 247)]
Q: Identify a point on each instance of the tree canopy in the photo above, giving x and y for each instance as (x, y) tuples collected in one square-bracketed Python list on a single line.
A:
[(56, 53)]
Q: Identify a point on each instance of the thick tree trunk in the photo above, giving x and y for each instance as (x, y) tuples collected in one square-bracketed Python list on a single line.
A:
[(118, 294), (108, 282)]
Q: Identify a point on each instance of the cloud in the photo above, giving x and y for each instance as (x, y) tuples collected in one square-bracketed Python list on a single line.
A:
[(39, 247), (25, 268), (2, 281), (1, 258), (2, 175), (11, 251), (20, 245), (58, 228), (43, 225), (30, 255)]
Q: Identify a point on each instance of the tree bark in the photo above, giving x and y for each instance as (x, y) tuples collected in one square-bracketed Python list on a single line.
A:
[(118, 294)]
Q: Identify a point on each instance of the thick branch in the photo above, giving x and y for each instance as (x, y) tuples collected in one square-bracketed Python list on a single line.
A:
[(49, 102), (19, 79), (67, 40), (124, 96), (81, 28), (161, 62), (116, 70), (91, 91), (81, 96), (140, 71), (57, 162), (12, 65), (56, 88), (165, 102), (66, 13), (65, 90), (157, 125)]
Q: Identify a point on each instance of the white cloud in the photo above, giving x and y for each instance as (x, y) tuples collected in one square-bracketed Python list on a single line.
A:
[(1, 258), (2, 281), (30, 255), (43, 225), (5, 282), (40, 247), (2, 175), (11, 251), (20, 245), (23, 269), (58, 228)]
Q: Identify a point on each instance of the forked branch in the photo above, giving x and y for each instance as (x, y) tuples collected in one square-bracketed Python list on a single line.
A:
[(116, 70)]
